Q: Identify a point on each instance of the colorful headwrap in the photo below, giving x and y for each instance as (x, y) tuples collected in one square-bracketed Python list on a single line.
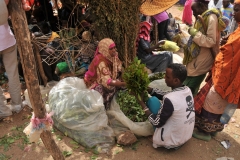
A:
[(102, 55), (144, 31)]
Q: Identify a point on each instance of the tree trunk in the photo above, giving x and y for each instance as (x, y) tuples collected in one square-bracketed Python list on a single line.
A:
[(29, 69), (39, 63)]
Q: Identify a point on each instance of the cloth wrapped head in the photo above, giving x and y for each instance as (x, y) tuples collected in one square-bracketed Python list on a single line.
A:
[(144, 31), (102, 55)]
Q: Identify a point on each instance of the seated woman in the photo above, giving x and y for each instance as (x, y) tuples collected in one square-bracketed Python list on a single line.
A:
[(156, 63), (223, 90), (104, 72)]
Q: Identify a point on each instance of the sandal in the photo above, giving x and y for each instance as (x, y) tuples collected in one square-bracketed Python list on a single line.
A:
[(201, 135)]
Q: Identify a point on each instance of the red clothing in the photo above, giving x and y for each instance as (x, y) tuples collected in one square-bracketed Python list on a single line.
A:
[(187, 13)]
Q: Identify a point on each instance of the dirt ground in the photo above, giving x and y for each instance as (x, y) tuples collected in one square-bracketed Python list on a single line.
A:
[(17, 148)]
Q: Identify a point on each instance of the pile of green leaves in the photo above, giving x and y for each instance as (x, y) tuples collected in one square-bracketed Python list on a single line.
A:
[(136, 78), (130, 107), (156, 76)]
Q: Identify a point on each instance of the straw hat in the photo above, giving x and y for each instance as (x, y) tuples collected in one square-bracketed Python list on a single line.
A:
[(3, 12), (152, 7)]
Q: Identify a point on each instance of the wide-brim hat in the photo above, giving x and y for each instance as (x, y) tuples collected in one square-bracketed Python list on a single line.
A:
[(153, 7), (3, 12)]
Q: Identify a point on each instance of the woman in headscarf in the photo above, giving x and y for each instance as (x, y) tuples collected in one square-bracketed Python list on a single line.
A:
[(223, 90), (203, 45), (104, 72), (156, 63)]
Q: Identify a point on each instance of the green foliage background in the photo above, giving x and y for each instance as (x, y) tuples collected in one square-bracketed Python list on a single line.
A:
[(118, 20)]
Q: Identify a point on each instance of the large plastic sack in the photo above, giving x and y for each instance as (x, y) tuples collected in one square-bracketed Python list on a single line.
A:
[(159, 84), (120, 122), (80, 114)]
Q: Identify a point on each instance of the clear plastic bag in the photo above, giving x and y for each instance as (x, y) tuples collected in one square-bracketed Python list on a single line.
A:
[(160, 84), (80, 114), (120, 123)]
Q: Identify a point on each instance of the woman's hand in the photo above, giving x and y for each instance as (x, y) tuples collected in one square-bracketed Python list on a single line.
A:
[(224, 40), (117, 83)]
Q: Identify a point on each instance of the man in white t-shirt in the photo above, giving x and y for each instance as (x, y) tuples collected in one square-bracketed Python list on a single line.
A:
[(8, 50), (215, 4)]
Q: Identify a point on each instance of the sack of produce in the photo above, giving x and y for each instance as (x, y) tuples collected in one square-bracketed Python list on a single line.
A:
[(120, 122), (170, 46), (80, 114), (125, 112)]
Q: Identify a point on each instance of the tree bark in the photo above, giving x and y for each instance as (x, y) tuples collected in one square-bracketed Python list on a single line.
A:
[(39, 63), (22, 35)]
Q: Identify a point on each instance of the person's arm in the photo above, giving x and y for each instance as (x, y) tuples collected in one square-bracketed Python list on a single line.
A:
[(105, 77), (117, 83), (208, 39), (158, 120), (163, 115), (149, 49), (156, 92)]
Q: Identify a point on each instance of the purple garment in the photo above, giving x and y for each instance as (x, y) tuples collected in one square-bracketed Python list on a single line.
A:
[(182, 2), (161, 17)]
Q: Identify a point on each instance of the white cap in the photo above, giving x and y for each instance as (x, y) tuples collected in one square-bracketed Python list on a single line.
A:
[(3, 12)]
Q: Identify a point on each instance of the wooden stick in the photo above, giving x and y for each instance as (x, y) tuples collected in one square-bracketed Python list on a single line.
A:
[(39, 63), (30, 74)]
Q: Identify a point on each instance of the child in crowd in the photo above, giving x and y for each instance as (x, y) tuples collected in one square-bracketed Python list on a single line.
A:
[(227, 10), (174, 121)]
